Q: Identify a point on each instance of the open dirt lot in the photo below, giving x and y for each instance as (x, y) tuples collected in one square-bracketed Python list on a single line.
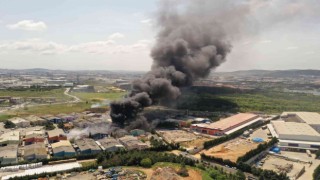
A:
[(260, 133), (165, 173), (195, 143), (232, 149), (177, 136)]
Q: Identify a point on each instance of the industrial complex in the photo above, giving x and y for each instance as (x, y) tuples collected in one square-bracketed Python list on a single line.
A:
[(227, 125), (297, 131)]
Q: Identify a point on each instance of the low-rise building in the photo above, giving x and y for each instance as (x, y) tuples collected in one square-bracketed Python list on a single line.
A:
[(19, 122), (52, 119), (33, 138), (227, 125), (12, 137), (9, 154), (63, 148), (297, 131), (131, 142), (87, 146), (56, 135), (35, 151), (35, 120), (110, 144)]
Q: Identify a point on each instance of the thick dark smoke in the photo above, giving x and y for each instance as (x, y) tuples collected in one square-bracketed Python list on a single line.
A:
[(193, 39)]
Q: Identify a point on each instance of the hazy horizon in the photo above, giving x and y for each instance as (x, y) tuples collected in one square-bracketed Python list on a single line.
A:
[(119, 35)]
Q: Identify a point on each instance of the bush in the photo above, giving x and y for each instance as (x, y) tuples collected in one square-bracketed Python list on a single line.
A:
[(8, 124), (183, 171), (146, 162)]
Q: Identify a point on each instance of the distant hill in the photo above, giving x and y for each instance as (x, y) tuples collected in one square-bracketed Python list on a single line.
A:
[(272, 73)]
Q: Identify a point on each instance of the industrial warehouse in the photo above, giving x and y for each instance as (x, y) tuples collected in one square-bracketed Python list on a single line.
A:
[(227, 125), (297, 131)]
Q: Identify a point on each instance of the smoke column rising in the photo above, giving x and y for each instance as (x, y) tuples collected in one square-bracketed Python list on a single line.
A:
[(194, 38)]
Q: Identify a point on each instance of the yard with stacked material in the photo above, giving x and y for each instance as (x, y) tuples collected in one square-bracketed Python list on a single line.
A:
[(177, 136)]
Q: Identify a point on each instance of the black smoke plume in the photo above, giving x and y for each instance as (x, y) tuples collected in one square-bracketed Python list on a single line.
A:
[(193, 39)]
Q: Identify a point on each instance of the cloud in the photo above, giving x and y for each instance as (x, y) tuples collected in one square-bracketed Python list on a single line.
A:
[(34, 45), (265, 41), (146, 21), (292, 47), (28, 25), (44, 47), (117, 35)]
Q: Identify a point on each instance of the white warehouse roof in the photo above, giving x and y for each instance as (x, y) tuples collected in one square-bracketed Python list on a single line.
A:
[(307, 117), (295, 131)]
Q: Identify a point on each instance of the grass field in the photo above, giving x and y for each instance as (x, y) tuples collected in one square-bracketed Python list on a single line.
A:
[(99, 96), (264, 101), (57, 93)]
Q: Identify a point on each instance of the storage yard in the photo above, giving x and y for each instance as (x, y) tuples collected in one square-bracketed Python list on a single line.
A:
[(281, 165), (177, 136), (292, 163)]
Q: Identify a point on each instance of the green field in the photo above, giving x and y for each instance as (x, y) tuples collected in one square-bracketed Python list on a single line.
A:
[(56, 93), (264, 101), (99, 96)]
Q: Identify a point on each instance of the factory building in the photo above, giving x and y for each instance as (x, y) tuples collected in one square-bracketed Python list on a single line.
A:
[(227, 125), (63, 149), (297, 131), (131, 142), (56, 135), (12, 137), (35, 151), (87, 146), (9, 154), (19, 122), (109, 144)]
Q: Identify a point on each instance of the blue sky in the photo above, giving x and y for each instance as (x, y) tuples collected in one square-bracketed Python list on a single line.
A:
[(118, 35)]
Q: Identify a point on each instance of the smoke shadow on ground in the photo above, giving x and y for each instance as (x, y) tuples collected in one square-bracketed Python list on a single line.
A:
[(205, 99)]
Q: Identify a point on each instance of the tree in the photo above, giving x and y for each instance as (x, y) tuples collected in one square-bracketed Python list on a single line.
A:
[(60, 125), (146, 162), (183, 171), (318, 154), (49, 126), (316, 173), (240, 175), (8, 124)]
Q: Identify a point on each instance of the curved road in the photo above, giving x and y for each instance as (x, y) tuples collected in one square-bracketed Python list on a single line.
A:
[(76, 99)]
